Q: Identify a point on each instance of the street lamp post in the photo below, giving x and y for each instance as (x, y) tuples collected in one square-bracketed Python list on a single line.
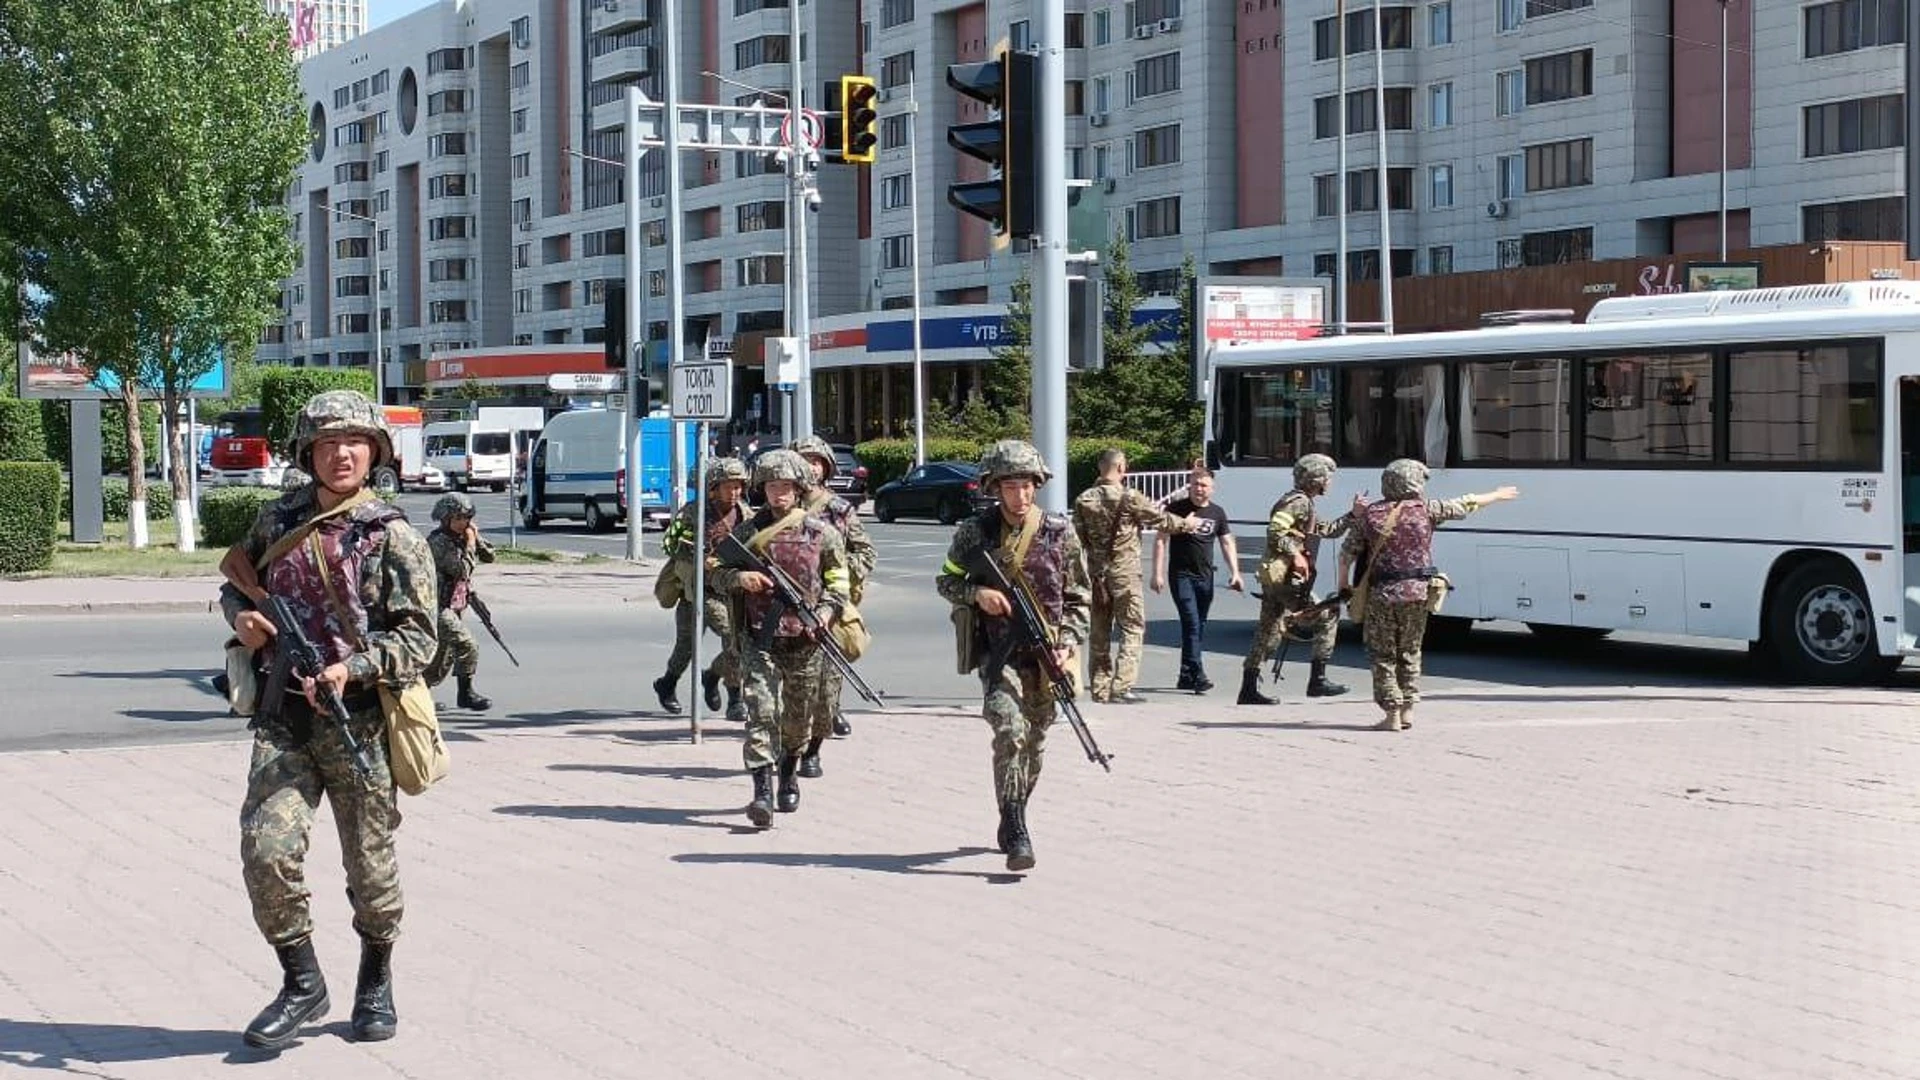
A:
[(912, 112), (373, 239), (1724, 109)]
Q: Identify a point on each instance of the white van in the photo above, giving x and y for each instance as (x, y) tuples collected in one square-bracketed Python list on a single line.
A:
[(578, 470), (469, 455)]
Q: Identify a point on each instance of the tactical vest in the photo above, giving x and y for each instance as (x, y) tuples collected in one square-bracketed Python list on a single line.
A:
[(797, 552), (1044, 572), (347, 542), (1402, 561)]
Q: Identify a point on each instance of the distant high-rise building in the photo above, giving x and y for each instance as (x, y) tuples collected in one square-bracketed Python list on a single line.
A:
[(321, 24)]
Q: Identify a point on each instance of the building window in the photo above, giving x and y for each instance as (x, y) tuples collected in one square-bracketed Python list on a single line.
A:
[(896, 252), (1560, 165), (350, 171), (1440, 23), (1020, 35), (1440, 105), (1103, 27), (447, 269), (380, 161), (446, 60), (1848, 127), (1556, 246), (447, 144), (1156, 217), (1649, 408), (1537, 8), (1361, 112), (446, 311), (1396, 26), (350, 247), (352, 285), (893, 132), (761, 270), (350, 324), (895, 12), (1511, 13), (1440, 259), (754, 217), (896, 191), (519, 121), (447, 185), (342, 97), (1363, 191), (1156, 75), (767, 49), (1076, 30), (522, 166), (446, 101), (522, 211), (1513, 175), (896, 70), (1157, 146), (1509, 92), (1559, 77), (1860, 219), (1846, 25), (520, 76), (1147, 12), (1440, 185), (523, 31), (447, 228), (522, 256)]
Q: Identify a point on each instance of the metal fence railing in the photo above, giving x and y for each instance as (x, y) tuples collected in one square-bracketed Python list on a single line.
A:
[(1158, 486)]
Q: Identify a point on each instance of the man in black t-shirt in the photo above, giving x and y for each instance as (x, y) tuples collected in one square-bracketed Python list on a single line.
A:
[(1190, 562)]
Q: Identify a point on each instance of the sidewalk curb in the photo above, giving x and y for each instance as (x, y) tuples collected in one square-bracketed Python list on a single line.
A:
[(84, 607)]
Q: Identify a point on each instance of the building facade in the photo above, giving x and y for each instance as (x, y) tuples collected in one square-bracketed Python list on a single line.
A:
[(1519, 133)]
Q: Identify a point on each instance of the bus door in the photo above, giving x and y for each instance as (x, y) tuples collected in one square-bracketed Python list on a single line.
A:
[(1910, 509)]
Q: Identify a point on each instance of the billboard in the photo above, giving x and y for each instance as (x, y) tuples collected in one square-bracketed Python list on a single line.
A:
[(1228, 309), (1719, 277), (66, 376)]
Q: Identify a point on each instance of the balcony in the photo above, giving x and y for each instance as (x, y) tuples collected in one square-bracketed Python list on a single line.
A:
[(624, 65), (622, 15)]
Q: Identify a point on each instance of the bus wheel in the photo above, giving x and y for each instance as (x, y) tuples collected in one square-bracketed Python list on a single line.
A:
[(1820, 625)]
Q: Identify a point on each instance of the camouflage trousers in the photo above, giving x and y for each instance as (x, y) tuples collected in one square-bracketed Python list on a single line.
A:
[(1119, 612), (826, 702), (1394, 634), (457, 653), (1019, 707), (1275, 604), (720, 622), (780, 684), (284, 785)]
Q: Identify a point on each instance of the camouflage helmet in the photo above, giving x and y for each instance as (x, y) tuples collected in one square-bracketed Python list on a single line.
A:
[(813, 446), (1404, 478), (1013, 457), (721, 470), (1311, 469), (294, 479), (782, 465), (341, 412), (452, 505)]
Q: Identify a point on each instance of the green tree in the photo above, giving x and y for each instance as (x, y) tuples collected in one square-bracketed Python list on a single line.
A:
[(1009, 375), (1143, 389), (148, 146)]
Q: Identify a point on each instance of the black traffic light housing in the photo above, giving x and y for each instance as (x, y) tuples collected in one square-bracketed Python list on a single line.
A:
[(1010, 143), (616, 344)]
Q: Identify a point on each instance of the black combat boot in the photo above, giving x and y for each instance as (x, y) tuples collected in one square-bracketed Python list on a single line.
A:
[(710, 686), (760, 810), (1317, 684), (373, 1015), (470, 700), (303, 998), (736, 706), (1250, 688), (1004, 838), (1019, 844), (841, 729), (664, 689), (810, 761), (789, 786)]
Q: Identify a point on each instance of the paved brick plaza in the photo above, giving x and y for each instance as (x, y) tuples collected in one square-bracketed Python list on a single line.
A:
[(1532, 882)]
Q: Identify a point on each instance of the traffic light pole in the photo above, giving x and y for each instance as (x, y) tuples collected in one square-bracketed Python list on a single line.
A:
[(636, 332), (797, 179), (1050, 256)]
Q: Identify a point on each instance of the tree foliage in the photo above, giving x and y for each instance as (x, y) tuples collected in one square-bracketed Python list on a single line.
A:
[(1143, 389), (146, 147), (285, 391)]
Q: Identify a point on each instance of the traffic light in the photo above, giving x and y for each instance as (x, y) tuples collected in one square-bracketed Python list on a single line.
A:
[(614, 321), (859, 119), (1010, 142)]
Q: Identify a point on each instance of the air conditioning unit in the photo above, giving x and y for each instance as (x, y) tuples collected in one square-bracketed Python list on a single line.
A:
[(1098, 119), (1497, 209), (526, 226), (659, 202), (1109, 185), (1143, 32), (1168, 26)]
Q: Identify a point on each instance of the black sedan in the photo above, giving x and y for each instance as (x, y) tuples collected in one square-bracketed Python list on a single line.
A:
[(943, 490)]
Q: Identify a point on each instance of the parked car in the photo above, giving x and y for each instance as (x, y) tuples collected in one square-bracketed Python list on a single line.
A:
[(849, 476), (943, 490)]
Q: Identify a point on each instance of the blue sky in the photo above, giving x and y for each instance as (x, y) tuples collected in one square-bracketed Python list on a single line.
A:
[(380, 12)]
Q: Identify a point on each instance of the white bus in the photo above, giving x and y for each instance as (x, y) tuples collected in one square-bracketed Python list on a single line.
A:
[(1722, 464)]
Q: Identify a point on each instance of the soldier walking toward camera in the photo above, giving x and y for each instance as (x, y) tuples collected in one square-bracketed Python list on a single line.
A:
[(780, 661), (1108, 518), (1391, 550), (841, 514), (726, 482), (457, 548), (359, 581), (1294, 532), (1041, 555)]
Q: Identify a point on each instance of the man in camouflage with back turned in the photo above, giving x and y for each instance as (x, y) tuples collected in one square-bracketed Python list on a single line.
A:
[(1108, 517), (726, 482), (457, 549), (1294, 532), (842, 515)]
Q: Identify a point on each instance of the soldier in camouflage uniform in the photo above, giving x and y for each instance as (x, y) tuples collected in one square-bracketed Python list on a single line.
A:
[(841, 514), (457, 548), (1395, 535), (360, 580), (726, 482), (1294, 532), (1108, 517), (780, 661), (1041, 555)]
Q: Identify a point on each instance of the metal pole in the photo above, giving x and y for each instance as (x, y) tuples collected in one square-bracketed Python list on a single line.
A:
[(676, 259), (1340, 166), (919, 361), (1723, 129), (636, 329), (1380, 181), (699, 599), (378, 365), (801, 178), (1912, 151), (1050, 256)]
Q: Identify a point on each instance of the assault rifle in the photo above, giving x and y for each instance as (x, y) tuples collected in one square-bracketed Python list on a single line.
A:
[(479, 607), (1331, 603), (1030, 636), (299, 656), (788, 595)]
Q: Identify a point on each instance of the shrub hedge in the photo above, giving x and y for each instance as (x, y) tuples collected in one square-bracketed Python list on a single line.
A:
[(22, 437), (113, 494), (57, 421), (227, 514), (285, 391), (29, 514), (889, 459)]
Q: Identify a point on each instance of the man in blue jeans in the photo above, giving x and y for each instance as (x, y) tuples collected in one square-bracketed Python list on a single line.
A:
[(1190, 562)]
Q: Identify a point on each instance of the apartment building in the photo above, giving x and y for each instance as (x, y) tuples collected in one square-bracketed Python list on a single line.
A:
[(318, 25)]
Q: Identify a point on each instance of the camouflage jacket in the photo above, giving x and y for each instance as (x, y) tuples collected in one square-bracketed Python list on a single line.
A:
[(811, 553), (392, 601), (1294, 529), (1399, 558), (1109, 516), (842, 515), (677, 544), (454, 565), (1055, 571)]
